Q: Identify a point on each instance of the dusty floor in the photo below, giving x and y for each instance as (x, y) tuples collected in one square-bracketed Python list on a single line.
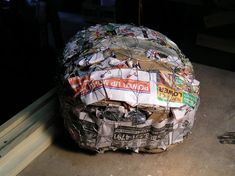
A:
[(200, 154)]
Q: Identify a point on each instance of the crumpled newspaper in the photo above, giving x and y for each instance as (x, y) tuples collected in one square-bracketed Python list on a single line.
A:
[(126, 87)]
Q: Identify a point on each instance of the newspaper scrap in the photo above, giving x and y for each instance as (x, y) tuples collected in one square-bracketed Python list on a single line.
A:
[(126, 87)]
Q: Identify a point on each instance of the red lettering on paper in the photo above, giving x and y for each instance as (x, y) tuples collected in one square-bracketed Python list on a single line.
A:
[(84, 85)]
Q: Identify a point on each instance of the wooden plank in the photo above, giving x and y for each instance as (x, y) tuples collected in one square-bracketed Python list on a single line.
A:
[(25, 113), (30, 134), (24, 129), (15, 161), (226, 45)]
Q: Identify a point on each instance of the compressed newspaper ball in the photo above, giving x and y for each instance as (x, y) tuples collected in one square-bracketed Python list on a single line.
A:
[(126, 87)]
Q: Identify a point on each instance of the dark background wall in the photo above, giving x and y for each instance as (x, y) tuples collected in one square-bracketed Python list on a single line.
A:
[(33, 33)]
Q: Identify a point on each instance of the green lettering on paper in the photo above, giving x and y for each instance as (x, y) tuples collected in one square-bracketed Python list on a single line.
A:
[(189, 99)]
